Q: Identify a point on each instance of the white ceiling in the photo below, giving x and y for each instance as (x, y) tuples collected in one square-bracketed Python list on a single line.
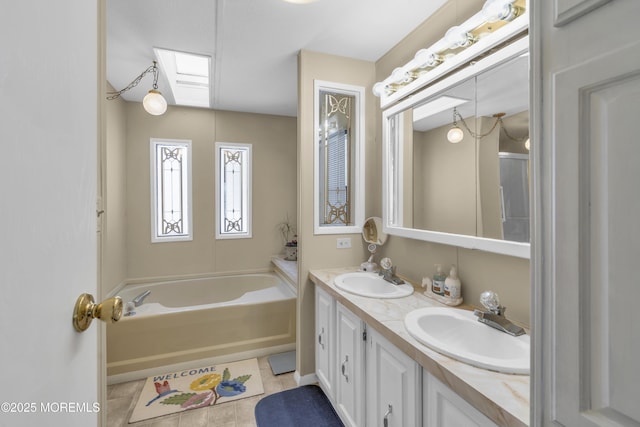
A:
[(503, 89), (253, 43)]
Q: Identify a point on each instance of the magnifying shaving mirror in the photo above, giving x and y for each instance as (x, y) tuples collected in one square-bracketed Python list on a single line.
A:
[(372, 234)]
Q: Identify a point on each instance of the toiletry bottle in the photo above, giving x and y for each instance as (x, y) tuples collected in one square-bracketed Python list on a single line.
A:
[(438, 281), (452, 285)]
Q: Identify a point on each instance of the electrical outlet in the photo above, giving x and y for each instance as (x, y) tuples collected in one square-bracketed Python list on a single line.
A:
[(343, 242)]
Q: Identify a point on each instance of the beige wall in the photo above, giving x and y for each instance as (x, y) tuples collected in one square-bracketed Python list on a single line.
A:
[(320, 251), (444, 182), (274, 190), (479, 271), (114, 180)]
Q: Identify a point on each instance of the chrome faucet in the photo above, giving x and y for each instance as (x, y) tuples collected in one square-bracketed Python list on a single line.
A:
[(137, 301), (388, 272), (494, 317)]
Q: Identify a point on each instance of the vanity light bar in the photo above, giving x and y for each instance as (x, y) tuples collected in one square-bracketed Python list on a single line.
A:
[(460, 43)]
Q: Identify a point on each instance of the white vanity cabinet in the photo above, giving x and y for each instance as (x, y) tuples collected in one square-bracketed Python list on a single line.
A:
[(442, 407), (361, 372), (350, 363), (393, 385)]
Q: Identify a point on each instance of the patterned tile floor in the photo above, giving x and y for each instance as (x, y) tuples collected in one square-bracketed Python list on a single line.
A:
[(121, 398)]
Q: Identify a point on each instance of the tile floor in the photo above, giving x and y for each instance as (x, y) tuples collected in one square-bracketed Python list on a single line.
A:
[(121, 398)]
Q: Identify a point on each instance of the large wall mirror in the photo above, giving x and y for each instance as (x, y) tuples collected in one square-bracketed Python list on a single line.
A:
[(456, 158)]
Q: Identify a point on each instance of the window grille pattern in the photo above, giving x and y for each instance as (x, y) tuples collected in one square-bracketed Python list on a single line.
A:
[(171, 178), (335, 158), (234, 163)]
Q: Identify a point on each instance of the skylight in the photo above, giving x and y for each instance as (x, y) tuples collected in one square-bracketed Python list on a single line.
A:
[(188, 75)]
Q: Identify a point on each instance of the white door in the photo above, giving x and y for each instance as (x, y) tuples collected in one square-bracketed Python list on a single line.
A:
[(442, 407), (393, 383), (325, 336), (349, 381), (48, 139), (586, 101)]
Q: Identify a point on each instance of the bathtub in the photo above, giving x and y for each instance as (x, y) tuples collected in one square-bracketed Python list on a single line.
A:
[(192, 319)]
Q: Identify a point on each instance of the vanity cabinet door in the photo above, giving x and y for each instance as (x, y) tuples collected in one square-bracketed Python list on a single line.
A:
[(393, 385), (325, 337), (350, 363), (442, 407)]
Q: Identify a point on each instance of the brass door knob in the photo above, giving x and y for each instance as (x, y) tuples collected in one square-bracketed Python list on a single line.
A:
[(86, 310)]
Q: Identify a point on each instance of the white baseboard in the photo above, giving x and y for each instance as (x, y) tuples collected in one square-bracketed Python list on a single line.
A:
[(305, 380), (144, 373)]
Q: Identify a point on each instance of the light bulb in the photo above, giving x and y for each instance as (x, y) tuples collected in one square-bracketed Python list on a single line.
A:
[(154, 103), (399, 75), (527, 144), (424, 59), (499, 10), (458, 37), (378, 89), (455, 135)]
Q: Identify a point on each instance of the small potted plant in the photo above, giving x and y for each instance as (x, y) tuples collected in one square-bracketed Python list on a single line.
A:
[(290, 240)]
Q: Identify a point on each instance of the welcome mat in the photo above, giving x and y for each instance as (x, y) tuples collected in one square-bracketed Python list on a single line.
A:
[(174, 392)]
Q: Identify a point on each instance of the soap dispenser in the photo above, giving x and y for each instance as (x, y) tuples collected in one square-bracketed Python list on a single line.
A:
[(438, 281), (452, 285)]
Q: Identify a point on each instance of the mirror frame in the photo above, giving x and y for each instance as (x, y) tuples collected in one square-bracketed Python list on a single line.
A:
[(390, 200), (357, 204)]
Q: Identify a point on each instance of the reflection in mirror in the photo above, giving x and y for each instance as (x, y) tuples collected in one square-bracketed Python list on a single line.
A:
[(458, 159), (338, 158)]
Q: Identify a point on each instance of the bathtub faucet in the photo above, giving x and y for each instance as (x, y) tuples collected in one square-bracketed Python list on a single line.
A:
[(137, 301)]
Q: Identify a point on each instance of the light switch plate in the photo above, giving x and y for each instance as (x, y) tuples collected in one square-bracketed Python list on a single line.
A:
[(343, 242)]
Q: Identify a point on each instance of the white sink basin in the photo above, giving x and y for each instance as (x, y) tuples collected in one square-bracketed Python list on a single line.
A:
[(368, 284), (458, 334)]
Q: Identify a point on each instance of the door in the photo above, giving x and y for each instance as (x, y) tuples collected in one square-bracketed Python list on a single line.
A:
[(325, 333), (48, 134), (586, 85), (350, 363), (393, 385), (442, 407)]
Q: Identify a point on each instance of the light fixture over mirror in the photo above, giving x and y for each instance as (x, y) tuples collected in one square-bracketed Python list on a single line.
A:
[(153, 103), (496, 22)]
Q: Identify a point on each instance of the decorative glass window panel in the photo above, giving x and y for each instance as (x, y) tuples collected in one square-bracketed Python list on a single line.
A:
[(339, 178), (233, 191), (171, 216)]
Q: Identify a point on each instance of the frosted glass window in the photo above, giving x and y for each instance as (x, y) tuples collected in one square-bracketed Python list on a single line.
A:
[(171, 190), (233, 190)]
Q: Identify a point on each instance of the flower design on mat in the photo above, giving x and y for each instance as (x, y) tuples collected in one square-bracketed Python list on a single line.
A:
[(230, 388), (206, 382), (198, 400)]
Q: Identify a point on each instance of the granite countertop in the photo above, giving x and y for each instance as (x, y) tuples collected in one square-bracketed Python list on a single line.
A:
[(503, 398)]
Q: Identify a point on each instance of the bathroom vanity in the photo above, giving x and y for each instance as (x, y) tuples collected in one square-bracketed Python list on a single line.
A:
[(375, 373)]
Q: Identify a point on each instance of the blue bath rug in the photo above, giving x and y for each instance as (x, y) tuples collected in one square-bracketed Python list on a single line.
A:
[(302, 406), (283, 362)]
